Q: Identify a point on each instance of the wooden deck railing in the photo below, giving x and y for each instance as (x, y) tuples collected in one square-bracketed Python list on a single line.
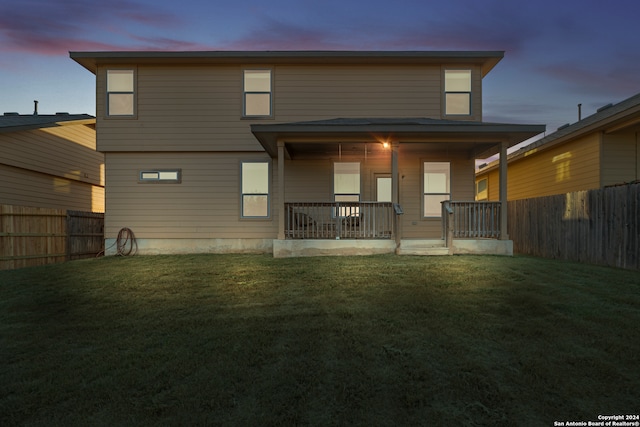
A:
[(339, 220), (470, 220)]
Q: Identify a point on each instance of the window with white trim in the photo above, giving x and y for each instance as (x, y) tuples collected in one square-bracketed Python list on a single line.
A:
[(255, 184), (346, 186), (120, 93), (436, 187), (457, 92), (257, 93), (167, 176)]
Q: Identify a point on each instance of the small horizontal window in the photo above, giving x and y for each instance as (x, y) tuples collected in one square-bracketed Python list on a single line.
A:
[(166, 176)]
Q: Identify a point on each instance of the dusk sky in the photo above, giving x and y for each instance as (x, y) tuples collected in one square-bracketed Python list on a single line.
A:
[(557, 53)]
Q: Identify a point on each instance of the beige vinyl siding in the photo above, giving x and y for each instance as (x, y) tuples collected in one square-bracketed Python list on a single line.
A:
[(206, 204), (190, 118), (309, 180), (573, 166), (324, 92), (414, 226), (195, 108), (63, 151), (23, 187), (54, 167), (620, 162), (199, 108)]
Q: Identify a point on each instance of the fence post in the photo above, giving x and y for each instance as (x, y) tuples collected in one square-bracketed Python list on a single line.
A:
[(67, 236)]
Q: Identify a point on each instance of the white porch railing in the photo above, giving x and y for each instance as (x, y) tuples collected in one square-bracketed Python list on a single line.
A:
[(470, 220), (339, 220)]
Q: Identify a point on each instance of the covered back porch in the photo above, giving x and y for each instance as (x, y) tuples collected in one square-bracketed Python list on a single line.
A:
[(474, 222), (317, 226)]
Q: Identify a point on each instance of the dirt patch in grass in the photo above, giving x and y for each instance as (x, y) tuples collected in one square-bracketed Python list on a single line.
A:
[(382, 340)]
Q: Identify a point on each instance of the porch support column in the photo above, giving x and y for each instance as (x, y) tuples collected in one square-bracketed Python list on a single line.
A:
[(281, 208), (395, 197), (503, 191), (395, 187)]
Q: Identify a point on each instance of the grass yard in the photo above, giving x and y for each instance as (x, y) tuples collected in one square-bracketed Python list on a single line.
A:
[(250, 340)]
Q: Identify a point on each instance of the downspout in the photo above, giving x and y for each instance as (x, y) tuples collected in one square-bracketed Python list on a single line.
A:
[(281, 207), (395, 190)]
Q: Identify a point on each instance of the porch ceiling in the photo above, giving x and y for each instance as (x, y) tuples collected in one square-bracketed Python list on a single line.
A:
[(325, 137)]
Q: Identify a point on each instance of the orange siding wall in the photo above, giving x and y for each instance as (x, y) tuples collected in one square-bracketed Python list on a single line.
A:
[(620, 158), (558, 170)]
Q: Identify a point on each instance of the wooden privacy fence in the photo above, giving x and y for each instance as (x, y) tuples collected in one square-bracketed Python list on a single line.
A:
[(597, 226), (36, 236)]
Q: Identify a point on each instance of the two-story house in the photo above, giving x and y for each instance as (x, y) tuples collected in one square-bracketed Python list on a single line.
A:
[(298, 152)]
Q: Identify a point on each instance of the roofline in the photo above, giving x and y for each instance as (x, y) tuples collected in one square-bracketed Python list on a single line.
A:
[(602, 119), (55, 121), (91, 60), (463, 127), (269, 134)]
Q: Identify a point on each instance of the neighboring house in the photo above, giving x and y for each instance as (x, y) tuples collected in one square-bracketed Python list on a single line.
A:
[(597, 151), (295, 153), (50, 161)]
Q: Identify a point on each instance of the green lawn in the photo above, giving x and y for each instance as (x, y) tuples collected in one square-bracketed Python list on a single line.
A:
[(254, 341)]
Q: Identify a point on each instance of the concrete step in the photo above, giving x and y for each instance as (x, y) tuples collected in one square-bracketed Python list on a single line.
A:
[(422, 247), (423, 251)]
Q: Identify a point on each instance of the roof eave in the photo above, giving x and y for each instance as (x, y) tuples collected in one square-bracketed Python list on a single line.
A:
[(91, 60), (269, 134), (52, 123)]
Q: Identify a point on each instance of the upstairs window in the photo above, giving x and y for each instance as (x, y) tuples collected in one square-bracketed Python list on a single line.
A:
[(457, 92), (255, 189), (120, 93), (437, 187), (257, 93)]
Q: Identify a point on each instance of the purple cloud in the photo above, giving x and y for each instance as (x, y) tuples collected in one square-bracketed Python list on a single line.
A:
[(617, 75), (488, 25), (52, 28), (275, 35), (468, 35), (165, 43)]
